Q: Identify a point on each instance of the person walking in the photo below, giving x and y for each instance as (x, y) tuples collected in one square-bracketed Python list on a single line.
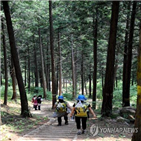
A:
[(80, 111), (62, 110)]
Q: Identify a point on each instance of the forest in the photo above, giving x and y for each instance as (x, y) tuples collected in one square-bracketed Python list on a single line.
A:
[(54, 48)]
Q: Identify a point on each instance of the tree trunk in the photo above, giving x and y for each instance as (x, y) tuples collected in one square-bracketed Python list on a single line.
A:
[(24, 103), (86, 88), (137, 135), (125, 58), (13, 76), (132, 78), (54, 89), (28, 69), (95, 61), (82, 75), (5, 64), (60, 65), (89, 85), (36, 68), (57, 76), (42, 66), (109, 78), (115, 73), (25, 72), (102, 78), (48, 69), (66, 86), (75, 63), (73, 69), (126, 90), (41, 78)]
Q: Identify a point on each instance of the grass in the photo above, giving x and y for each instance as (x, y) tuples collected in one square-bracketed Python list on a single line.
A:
[(13, 124)]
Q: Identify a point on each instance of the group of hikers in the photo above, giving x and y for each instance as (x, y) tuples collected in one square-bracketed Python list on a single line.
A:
[(36, 100), (79, 111)]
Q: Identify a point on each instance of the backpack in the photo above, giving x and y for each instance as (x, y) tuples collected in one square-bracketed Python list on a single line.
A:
[(81, 109), (39, 99), (61, 107)]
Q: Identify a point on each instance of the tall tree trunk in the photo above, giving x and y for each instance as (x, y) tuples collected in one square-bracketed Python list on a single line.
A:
[(73, 69), (82, 75), (5, 64), (75, 63), (109, 78), (45, 66), (86, 88), (24, 103), (137, 136), (129, 59), (125, 58), (132, 78), (29, 69), (54, 89), (57, 76), (95, 61), (66, 86), (13, 76), (48, 69), (89, 85), (41, 78), (115, 73), (102, 78), (36, 68), (42, 66), (25, 72), (60, 65)]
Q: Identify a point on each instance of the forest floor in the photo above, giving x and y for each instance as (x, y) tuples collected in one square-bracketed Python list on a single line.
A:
[(43, 127)]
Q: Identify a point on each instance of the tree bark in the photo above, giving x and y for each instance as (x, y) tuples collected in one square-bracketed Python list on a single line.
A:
[(24, 103), (60, 65), (82, 75), (54, 89), (109, 78), (89, 85), (73, 69), (125, 57), (48, 69), (137, 135), (25, 72), (5, 64), (42, 66), (28, 69), (126, 90), (95, 61), (13, 76), (36, 68)]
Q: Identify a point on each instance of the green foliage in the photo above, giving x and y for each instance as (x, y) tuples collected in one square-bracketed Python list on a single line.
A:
[(37, 91), (133, 95), (67, 96), (117, 95), (9, 93), (99, 89)]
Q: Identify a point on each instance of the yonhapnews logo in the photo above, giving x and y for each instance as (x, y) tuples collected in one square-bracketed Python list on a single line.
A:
[(95, 129)]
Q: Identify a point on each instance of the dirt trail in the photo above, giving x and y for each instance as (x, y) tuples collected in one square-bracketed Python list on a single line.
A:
[(51, 132)]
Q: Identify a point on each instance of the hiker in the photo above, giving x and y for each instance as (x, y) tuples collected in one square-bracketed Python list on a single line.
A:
[(62, 110), (34, 101), (39, 101), (80, 110)]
